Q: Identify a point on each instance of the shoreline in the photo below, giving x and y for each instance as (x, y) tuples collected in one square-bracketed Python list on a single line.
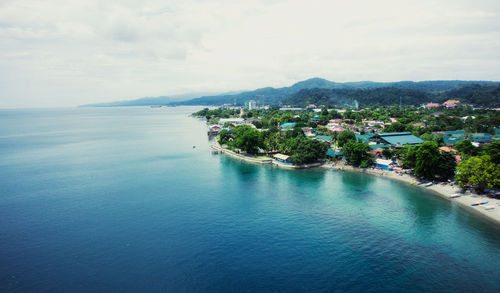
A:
[(465, 200)]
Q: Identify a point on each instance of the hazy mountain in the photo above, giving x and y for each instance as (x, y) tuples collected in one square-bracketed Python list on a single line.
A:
[(339, 92), (269, 95), (150, 101)]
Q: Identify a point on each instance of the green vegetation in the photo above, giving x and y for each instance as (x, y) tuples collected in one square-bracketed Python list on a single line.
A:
[(323, 92), (465, 127), (431, 163), (479, 172), (356, 153), (293, 143)]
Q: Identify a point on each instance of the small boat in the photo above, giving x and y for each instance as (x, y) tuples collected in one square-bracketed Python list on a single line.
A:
[(194, 147), (484, 202), (455, 195), (489, 207), (428, 184), (475, 204)]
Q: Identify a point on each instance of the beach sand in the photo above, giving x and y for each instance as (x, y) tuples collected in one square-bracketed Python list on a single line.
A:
[(465, 200)]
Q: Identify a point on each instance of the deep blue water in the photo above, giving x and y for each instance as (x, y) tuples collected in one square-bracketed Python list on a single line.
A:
[(117, 200)]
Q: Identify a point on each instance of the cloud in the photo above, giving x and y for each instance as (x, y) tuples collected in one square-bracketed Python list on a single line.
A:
[(68, 53)]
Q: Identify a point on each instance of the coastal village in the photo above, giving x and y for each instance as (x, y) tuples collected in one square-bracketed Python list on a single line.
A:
[(450, 148)]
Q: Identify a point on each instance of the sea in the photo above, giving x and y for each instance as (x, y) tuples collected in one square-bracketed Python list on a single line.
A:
[(132, 199)]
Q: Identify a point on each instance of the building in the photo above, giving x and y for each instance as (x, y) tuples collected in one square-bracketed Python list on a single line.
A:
[(288, 125), (451, 103), (325, 138), (251, 105), (282, 158), (432, 105), (235, 121), (397, 138), (384, 164)]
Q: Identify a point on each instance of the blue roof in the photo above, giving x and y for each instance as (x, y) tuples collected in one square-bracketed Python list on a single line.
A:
[(394, 134), (364, 137), (402, 139), (289, 124), (332, 153), (382, 146), (323, 137), (453, 138)]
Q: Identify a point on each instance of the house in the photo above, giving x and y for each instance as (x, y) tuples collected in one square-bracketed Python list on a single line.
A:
[(419, 124), (447, 149), (282, 158), (288, 125), (333, 153), (308, 131), (398, 138), (235, 121), (432, 105), (384, 164), (214, 130), (451, 103), (324, 138)]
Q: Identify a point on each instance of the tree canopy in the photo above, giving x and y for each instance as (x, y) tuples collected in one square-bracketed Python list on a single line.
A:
[(478, 172)]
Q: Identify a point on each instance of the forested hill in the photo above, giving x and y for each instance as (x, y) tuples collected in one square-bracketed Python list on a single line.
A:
[(323, 92), (485, 95)]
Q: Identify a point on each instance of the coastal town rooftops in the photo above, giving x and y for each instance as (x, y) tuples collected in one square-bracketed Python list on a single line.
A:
[(281, 157), (364, 137), (333, 153), (383, 162), (323, 137), (288, 125), (222, 121), (399, 138)]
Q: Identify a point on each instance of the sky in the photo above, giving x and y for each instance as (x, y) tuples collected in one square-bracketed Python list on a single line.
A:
[(67, 53)]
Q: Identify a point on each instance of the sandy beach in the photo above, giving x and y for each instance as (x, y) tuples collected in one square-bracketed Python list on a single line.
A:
[(465, 200)]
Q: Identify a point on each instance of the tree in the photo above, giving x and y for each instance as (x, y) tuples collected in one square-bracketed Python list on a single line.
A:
[(246, 138), (408, 155), (430, 162), (395, 127), (356, 153), (479, 172), (433, 137), (387, 153), (466, 148), (344, 137), (224, 136), (493, 150), (307, 151)]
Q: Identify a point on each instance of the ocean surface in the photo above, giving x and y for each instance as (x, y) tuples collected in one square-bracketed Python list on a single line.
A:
[(118, 200)]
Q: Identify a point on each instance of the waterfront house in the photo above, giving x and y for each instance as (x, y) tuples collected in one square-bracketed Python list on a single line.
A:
[(282, 158), (384, 164)]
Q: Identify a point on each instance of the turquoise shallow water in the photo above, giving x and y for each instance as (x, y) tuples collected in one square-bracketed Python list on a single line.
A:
[(100, 200)]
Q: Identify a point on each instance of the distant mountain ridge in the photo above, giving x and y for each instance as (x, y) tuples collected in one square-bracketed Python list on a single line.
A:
[(337, 92), (342, 91)]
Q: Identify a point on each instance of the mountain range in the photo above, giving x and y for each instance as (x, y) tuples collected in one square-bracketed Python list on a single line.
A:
[(322, 91)]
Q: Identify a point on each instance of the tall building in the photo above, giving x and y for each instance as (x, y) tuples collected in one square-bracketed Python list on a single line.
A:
[(251, 105)]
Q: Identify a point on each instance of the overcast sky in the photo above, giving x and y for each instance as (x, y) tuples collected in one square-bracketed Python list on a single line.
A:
[(64, 53)]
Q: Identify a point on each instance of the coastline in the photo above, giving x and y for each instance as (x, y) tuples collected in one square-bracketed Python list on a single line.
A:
[(465, 200)]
